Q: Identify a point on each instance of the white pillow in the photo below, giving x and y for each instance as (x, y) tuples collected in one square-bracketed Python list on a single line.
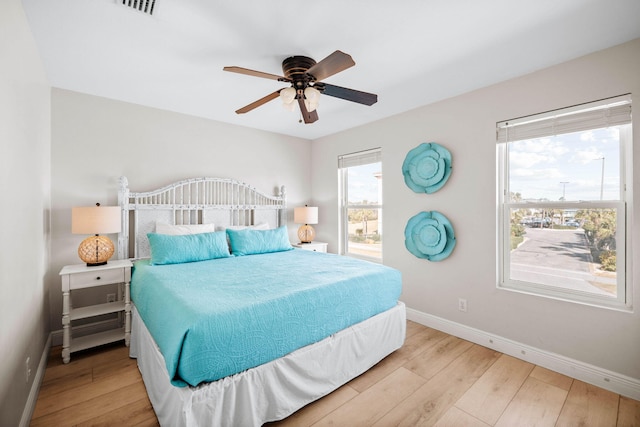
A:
[(177, 230), (261, 226)]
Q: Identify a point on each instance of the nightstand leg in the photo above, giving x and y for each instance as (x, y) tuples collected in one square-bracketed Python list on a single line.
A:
[(66, 328), (127, 314)]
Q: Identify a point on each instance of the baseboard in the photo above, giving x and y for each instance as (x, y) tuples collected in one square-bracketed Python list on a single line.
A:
[(608, 380), (29, 407)]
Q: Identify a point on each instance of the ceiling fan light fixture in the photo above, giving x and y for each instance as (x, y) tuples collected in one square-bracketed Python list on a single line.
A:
[(290, 106), (311, 107), (312, 98), (287, 95)]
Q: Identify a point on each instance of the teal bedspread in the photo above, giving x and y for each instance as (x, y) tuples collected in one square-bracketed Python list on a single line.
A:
[(212, 319)]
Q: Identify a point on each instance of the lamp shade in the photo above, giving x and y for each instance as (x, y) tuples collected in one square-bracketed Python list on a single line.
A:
[(95, 250), (95, 220), (305, 215)]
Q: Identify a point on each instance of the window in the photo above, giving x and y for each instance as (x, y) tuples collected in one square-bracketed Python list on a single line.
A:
[(360, 189), (562, 203)]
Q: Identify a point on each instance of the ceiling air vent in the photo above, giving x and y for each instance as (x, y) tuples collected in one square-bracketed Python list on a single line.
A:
[(145, 6)]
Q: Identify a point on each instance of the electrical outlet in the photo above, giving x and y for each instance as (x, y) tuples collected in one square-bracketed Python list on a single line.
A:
[(27, 366), (462, 304), (111, 297)]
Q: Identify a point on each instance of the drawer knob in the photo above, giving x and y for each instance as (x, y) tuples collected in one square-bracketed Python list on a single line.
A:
[(98, 278)]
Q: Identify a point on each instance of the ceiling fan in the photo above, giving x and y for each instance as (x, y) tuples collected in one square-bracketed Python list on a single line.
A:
[(305, 76)]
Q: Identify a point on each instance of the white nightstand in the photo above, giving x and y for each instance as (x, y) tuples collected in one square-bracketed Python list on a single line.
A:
[(80, 277), (313, 246)]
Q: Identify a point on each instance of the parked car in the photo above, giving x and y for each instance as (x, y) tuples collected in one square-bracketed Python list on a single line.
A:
[(526, 221), (540, 223), (572, 223)]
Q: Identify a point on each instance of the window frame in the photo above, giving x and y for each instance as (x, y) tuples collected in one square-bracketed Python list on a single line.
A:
[(345, 161), (623, 299)]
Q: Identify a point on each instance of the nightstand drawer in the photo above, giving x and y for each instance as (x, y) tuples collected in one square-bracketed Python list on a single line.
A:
[(313, 246), (97, 278)]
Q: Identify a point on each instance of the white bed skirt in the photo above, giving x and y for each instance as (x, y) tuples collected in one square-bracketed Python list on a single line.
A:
[(272, 391)]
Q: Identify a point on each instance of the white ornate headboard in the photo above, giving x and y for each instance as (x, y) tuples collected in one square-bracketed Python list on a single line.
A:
[(223, 202)]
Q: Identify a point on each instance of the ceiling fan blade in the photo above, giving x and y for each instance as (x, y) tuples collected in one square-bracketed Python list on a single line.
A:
[(259, 102), (332, 64), (347, 94), (255, 73), (309, 117)]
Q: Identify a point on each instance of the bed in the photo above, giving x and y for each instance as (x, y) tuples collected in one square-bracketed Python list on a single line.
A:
[(233, 326)]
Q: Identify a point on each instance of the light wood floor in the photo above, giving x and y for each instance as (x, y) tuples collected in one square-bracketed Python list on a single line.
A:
[(435, 379)]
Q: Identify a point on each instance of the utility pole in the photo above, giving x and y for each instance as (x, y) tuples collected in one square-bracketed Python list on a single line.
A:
[(602, 179), (564, 188)]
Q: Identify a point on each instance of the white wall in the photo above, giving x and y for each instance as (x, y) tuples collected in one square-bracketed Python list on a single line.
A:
[(96, 140), (466, 126), (24, 209)]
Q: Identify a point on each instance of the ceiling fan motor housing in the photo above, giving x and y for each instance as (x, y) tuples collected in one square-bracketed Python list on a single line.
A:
[(295, 69)]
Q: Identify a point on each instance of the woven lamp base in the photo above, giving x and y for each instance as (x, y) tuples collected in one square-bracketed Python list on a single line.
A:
[(306, 233), (96, 250)]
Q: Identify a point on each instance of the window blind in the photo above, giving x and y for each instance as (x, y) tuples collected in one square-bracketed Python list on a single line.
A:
[(360, 158), (608, 112)]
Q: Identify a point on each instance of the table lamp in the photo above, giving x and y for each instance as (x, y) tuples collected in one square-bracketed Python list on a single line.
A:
[(95, 250), (306, 215)]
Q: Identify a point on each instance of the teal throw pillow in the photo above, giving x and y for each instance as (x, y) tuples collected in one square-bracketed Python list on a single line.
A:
[(251, 241), (176, 249)]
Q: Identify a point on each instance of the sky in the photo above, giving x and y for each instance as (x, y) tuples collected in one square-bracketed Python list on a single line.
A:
[(568, 165), (363, 185)]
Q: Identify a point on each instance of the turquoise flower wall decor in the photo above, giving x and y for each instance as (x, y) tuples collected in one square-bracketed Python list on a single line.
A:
[(429, 235), (427, 167)]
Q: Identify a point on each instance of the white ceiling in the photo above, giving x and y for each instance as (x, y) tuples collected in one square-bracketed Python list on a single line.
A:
[(409, 52)]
